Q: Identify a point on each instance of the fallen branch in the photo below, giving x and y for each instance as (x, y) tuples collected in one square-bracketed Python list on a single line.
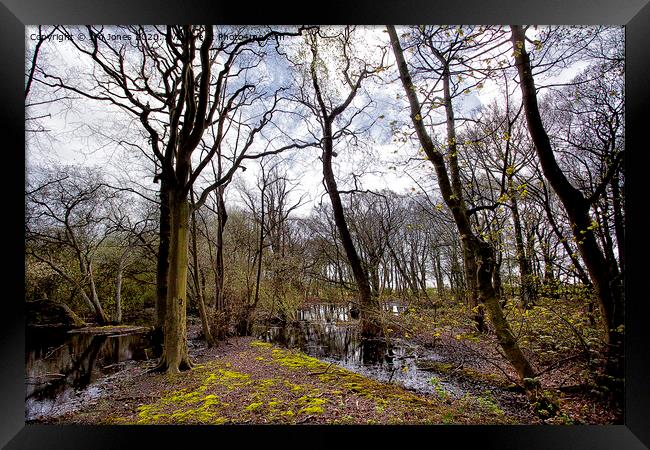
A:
[(321, 372), (557, 364), (305, 419), (54, 350)]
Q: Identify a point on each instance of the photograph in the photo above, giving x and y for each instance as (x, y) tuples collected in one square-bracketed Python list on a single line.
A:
[(325, 225)]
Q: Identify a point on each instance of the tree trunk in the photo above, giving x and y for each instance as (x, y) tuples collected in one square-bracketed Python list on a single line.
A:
[(475, 250), (219, 267), (619, 226), (607, 285), (369, 306), (455, 192), (496, 280), (101, 316), (162, 263), (205, 324), (76, 320), (525, 274), (440, 283), (175, 354), (248, 311), (117, 316), (502, 329), (471, 291)]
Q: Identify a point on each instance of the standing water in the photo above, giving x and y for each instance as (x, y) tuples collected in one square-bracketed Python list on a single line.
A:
[(61, 368), (326, 332)]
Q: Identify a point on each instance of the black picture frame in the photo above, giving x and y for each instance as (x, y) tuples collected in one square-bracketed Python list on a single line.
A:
[(15, 14)]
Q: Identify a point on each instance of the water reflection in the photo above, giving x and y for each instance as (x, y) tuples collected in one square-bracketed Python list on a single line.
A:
[(59, 366), (327, 332)]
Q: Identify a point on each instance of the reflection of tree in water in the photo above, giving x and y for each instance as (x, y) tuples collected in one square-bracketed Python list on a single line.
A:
[(320, 333), (373, 351), (78, 372), (76, 361)]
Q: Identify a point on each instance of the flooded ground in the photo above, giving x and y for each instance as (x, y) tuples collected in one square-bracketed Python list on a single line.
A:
[(326, 332), (61, 368), (64, 371)]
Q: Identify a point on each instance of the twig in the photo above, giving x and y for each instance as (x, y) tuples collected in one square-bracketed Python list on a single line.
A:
[(392, 372), (322, 372), (305, 419), (50, 353), (556, 364)]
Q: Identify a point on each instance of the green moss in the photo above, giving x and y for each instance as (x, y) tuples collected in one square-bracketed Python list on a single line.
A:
[(296, 360), (311, 405), (261, 344), (312, 410), (294, 387), (254, 406)]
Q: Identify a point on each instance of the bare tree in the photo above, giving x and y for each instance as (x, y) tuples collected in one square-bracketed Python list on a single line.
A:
[(65, 226), (176, 92), (607, 281), (475, 248), (329, 111)]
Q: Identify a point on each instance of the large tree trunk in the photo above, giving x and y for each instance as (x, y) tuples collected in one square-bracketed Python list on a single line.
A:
[(162, 263), (369, 305), (607, 284), (175, 354)]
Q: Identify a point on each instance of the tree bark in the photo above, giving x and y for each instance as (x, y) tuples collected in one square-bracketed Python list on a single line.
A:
[(175, 355), (162, 263)]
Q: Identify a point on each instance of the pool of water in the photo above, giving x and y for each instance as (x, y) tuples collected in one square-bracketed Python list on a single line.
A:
[(61, 368), (326, 332)]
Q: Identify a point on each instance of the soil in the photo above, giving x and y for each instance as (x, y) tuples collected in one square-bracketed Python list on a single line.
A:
[(245, 381)]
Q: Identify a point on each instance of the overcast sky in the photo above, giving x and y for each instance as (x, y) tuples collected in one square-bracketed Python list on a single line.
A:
[(84, 132)]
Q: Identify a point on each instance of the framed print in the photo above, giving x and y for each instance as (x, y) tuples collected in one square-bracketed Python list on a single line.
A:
[(378, 232)]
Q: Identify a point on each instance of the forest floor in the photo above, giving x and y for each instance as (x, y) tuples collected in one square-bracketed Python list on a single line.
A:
[(245, 381)]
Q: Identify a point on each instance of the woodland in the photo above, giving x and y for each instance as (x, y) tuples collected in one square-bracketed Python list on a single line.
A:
[(326, 224)]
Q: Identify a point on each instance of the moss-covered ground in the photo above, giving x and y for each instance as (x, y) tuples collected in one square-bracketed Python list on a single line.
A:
[(252, 382)]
